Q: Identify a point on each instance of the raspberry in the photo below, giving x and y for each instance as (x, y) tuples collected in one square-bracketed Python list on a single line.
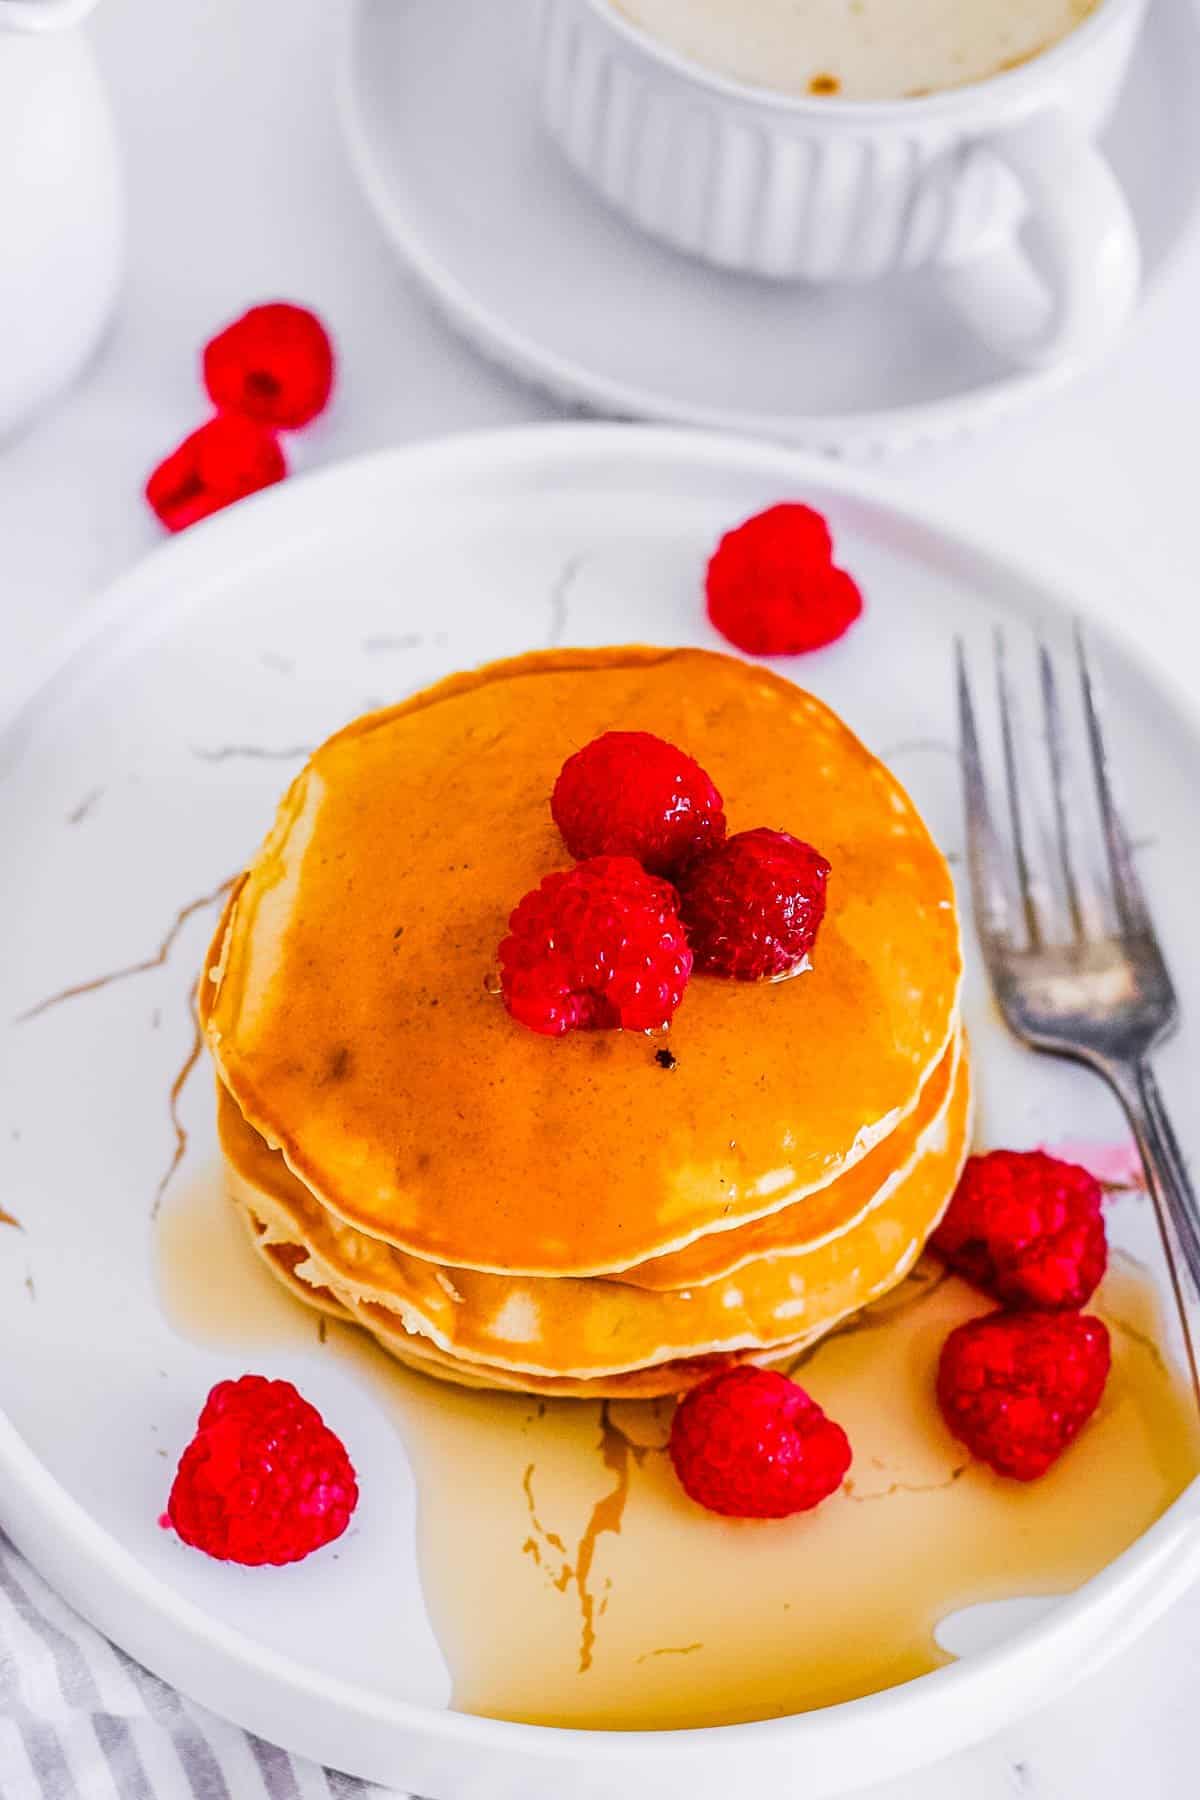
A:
[(1028, 1229), (264, 1480), (274, 364), (1017, 1388), (630, 794), (596, 947), (773, 588), (753, 907), (751, 1444), (228, 458)]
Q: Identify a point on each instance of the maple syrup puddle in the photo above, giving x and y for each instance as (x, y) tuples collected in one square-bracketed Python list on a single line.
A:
[(571, 1582)]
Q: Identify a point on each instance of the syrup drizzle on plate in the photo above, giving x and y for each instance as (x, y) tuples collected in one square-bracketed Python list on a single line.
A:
[(571, 1582)]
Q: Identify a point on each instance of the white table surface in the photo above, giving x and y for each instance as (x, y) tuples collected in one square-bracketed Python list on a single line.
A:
[(239, 191)]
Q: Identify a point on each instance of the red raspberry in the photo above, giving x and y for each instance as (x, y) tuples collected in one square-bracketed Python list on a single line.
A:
[(264, 1480), (596, 947), (750, 1443), (274, 364), (1017, 1388), (225, 460), (754, 906), (630, 794), (772, 586), (1027, 1228)]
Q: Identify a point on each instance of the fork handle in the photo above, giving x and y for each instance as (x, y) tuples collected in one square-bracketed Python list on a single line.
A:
[(1167, 1174)]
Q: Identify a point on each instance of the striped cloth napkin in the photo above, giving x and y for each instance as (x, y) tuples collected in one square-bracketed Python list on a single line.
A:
[(79, 1720)]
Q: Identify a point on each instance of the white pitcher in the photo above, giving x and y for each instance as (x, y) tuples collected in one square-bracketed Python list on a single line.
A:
[(61, 213)]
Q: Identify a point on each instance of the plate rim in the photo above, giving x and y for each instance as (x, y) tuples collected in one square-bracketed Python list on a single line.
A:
[(184, 566), (880, 432)]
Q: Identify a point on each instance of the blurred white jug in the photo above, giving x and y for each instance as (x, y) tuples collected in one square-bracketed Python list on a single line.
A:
[(61, 214)]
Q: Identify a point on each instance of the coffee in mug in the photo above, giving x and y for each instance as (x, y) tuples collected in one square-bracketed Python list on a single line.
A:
[(857, 49)]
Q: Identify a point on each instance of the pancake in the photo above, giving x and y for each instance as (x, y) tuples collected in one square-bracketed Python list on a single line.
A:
[(421, 1354), (818, 1216), (589, 1328), (351, 1000), (426, 1359)]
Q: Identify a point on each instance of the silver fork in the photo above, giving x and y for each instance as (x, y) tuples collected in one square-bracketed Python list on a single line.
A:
[(1068, 985)]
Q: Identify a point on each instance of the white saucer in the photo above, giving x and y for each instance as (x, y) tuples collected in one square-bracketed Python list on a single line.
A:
[(441, 118), (142, 774)]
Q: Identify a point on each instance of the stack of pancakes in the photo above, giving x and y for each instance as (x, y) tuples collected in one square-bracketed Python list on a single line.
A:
[(589, 1214)]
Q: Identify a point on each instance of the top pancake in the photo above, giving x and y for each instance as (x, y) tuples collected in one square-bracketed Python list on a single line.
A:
[(352, 1009)]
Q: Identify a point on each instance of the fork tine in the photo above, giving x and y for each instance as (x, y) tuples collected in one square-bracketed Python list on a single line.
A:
[(985, 859), (1008, 741), (1132, 912), (1060, 784)]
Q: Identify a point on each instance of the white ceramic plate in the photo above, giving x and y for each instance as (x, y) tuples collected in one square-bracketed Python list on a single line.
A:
[(442, 124), (143, 774)]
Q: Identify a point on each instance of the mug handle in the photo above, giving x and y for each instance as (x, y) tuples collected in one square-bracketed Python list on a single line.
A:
[(1082, 280)]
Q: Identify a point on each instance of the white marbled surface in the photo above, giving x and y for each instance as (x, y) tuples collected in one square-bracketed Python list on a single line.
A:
[(239, 190)]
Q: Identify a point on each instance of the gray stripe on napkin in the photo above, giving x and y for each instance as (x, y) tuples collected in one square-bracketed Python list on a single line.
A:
[(165, 1707), (116, 1740), (276, 1767), (74, 1677), (45, 1752), (345, 1787)]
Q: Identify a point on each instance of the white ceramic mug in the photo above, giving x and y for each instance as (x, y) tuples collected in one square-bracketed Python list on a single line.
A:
[(999, 186), (60, 202)]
